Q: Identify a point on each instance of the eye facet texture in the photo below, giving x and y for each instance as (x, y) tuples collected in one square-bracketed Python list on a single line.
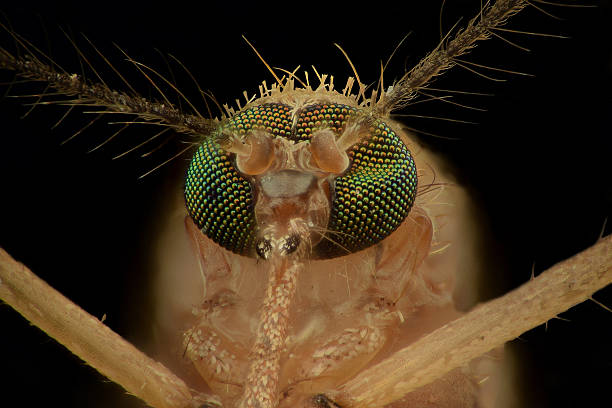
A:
[(368, 202), (219, 199), (375, 195)]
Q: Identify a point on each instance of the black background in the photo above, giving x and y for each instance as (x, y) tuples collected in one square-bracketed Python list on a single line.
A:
[(538, 164)]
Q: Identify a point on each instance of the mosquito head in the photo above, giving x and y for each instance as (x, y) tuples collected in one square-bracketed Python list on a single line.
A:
[(343, 178)]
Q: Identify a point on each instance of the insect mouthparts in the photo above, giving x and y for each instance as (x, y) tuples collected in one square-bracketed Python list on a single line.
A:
[(286, 246)]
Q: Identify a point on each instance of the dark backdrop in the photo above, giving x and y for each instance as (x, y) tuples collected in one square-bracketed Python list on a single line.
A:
[(538, 164)]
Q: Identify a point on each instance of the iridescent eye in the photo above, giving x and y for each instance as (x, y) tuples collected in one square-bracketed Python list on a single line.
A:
[(219, 199), (365, 201)]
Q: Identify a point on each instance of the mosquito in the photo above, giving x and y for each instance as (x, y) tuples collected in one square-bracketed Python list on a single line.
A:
[(269, 246)]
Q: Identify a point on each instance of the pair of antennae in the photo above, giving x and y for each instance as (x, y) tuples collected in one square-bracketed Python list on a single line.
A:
[(486, 24)]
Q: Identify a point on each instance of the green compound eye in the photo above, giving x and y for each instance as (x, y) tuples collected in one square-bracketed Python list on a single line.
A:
[(368, 201), (374, 196), (219, 199)]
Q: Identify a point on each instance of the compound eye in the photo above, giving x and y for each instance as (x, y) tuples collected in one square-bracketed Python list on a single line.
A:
[(219, 192), (219, 199), (374, 196)]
